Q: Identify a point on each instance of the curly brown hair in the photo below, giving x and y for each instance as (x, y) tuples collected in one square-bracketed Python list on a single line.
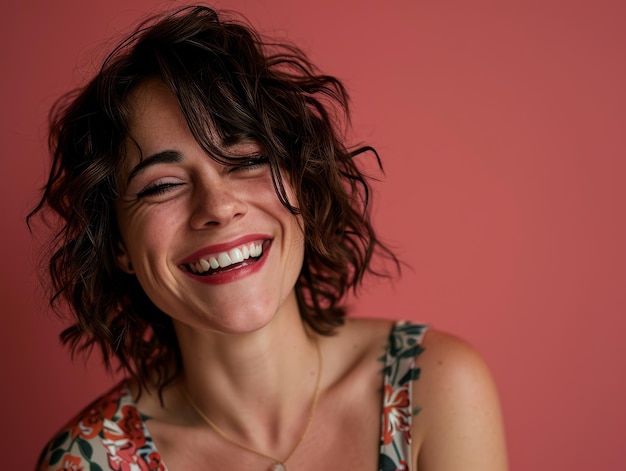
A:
[(228, 80)]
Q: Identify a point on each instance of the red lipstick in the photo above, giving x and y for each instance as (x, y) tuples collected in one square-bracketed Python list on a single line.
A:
[(224, 247), (236, 271)]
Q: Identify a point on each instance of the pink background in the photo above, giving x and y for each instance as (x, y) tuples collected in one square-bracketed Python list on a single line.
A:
[(502, 128)]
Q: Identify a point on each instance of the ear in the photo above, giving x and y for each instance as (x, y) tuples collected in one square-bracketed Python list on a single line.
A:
[(123, 259)]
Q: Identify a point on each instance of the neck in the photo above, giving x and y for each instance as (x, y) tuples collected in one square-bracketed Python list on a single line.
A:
[(256, 386)]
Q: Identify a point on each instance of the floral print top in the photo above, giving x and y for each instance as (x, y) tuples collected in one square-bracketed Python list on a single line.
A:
[(399, 373), (111, 433)]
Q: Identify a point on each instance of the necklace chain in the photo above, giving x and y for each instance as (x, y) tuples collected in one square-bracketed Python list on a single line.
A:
[(278, 464)]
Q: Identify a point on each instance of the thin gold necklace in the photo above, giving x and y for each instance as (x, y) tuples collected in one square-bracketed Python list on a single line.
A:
[(279, 465)]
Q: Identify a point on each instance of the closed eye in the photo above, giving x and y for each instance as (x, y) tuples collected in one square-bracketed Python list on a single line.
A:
[(156, 188), (249, 163)]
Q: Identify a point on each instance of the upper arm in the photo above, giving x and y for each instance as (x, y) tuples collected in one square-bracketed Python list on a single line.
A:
[(459, 426)]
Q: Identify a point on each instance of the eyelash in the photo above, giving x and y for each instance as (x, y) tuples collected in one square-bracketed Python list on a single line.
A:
[(250, 163), (154, 189)]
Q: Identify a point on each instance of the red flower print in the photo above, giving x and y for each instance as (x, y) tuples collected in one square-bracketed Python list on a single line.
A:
[(124, 458), (71, 463), (132, 425), (396, 417), (155, 462), (90, 424), (110, 402)]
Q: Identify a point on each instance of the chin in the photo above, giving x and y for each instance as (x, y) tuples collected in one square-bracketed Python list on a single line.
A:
[(242, 320), (243, 326)]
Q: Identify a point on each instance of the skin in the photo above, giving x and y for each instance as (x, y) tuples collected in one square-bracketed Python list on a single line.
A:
[(170, 210), (249, 362)]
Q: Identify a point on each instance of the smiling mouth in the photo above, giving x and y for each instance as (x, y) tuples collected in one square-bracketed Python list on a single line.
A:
[(235, 258)]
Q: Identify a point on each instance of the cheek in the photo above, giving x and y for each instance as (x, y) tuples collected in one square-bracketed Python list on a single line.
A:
[(296, 242), (146, 233), (297, 225)]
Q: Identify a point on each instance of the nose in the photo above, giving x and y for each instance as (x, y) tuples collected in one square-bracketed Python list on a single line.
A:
[(216, 203)]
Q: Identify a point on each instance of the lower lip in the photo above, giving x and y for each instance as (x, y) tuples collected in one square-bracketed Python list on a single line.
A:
[(234, 274)]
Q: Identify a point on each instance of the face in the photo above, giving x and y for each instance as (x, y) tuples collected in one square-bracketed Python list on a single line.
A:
[(211, 245)]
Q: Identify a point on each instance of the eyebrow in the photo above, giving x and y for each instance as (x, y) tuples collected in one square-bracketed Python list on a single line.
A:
[(165, 157)]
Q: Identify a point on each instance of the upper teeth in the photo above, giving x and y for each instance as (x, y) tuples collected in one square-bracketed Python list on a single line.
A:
[(225, 259)]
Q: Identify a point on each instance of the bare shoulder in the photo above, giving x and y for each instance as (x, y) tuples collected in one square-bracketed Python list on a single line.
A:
[(459, 425), (451, 360)]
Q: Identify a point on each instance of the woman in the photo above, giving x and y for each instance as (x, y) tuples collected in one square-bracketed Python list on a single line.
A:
[(212, 221)]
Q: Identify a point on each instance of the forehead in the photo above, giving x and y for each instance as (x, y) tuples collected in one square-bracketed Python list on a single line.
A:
[(154, 113), (157, 123)]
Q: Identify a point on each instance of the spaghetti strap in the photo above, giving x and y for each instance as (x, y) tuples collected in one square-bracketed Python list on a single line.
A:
[(399, 375)]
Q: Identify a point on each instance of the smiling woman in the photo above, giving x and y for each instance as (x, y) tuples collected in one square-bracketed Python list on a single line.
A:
[(212, 221), (181, 212)]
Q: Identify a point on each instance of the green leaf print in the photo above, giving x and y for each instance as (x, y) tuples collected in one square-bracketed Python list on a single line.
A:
[(94, 467), (56, 456), (412, 352), (60, 440), (85, 448), (411, 375)]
